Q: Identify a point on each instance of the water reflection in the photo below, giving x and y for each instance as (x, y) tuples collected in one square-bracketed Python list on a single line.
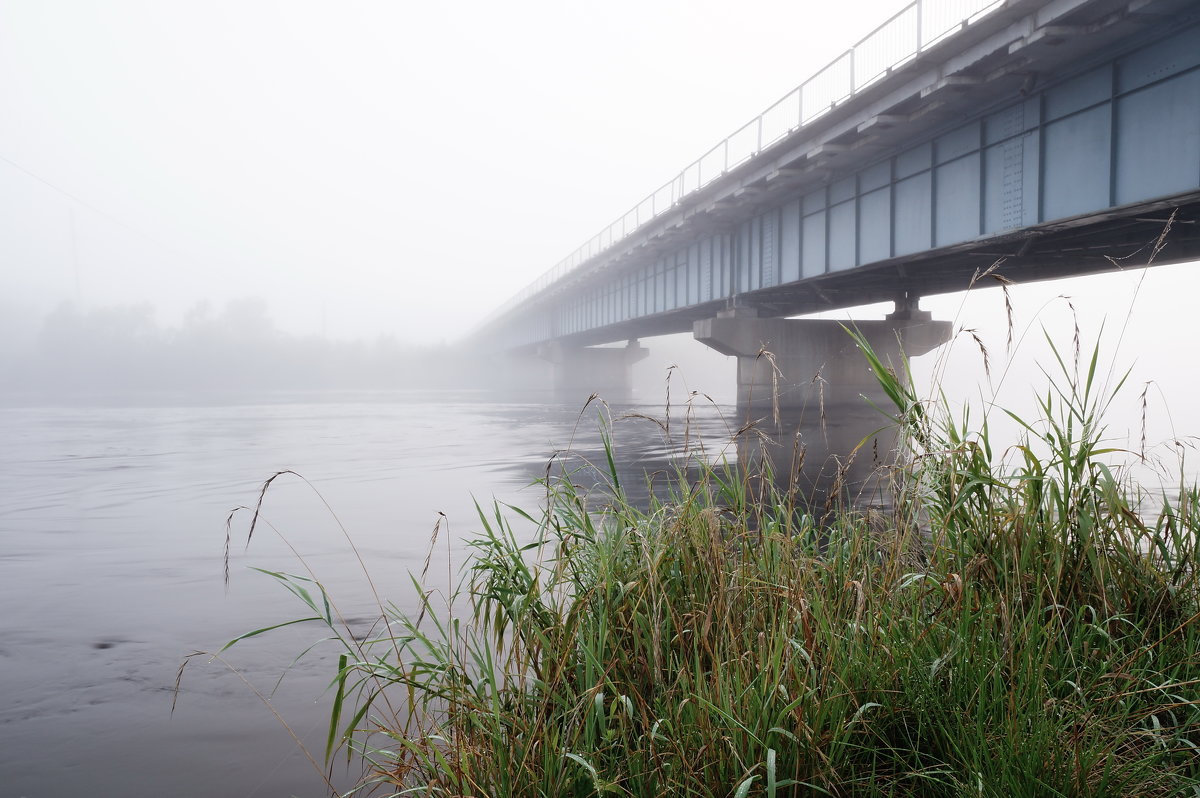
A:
[(652, 446), (820, 462)]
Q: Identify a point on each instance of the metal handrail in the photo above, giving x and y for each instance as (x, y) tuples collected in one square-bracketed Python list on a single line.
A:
[(919, 25)]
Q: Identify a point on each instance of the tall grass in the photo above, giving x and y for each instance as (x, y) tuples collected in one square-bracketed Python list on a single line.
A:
[(1013, 626)]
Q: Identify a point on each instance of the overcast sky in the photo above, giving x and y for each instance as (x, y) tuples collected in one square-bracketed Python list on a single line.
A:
[(366, 166)]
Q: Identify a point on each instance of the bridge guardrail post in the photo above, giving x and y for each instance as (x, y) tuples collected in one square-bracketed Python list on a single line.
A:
[(920, 19)]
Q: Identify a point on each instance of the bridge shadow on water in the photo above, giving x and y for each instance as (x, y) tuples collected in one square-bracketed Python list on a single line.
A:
[(809, 462)]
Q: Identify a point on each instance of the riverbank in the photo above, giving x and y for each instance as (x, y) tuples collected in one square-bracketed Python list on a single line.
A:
[(1018, 624)]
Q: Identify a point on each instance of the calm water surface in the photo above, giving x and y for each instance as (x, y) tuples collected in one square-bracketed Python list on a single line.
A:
[(111, 572)]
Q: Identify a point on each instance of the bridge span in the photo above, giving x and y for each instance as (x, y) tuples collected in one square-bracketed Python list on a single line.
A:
[(1054, 137)]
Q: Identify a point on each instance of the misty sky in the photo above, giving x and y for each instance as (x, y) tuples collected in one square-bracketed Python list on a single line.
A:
[(367, 167)]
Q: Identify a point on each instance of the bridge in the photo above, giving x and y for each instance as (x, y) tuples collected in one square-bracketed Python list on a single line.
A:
[(1054, 137)]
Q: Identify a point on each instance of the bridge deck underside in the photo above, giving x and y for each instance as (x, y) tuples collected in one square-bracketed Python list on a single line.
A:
[(1077, 176)]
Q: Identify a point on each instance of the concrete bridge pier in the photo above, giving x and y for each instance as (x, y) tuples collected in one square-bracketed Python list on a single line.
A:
[(580, 371), (822, 389)]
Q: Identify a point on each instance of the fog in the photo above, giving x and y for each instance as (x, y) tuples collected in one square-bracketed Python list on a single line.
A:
[(233, 350), (365, 168)]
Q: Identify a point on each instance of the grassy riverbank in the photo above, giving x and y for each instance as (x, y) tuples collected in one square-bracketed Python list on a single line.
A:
[(1018, 625)]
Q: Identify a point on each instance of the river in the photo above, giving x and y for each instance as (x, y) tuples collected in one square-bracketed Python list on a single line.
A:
[(114, 522)]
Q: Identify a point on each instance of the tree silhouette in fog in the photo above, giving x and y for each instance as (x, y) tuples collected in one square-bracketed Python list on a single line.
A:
[(235, 347)]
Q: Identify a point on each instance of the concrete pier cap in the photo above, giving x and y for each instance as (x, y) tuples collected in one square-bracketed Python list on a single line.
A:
[(805, 353), (805, 384), (580, 371)]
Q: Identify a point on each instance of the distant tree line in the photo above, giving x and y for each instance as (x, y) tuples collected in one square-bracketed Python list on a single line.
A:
[(234, 348)]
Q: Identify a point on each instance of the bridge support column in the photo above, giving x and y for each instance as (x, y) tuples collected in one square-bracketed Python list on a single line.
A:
[(580, 371), (816, 379)]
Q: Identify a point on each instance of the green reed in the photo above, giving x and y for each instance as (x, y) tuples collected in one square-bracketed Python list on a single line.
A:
[(1013, 626)]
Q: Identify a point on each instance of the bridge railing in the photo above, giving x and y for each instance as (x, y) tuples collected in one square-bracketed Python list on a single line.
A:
[(904, 36)]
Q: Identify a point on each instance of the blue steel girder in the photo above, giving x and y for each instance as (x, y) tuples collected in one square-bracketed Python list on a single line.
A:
[(1059, 136)]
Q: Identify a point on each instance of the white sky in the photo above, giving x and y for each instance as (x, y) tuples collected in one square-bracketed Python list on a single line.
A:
[(366, 166)]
